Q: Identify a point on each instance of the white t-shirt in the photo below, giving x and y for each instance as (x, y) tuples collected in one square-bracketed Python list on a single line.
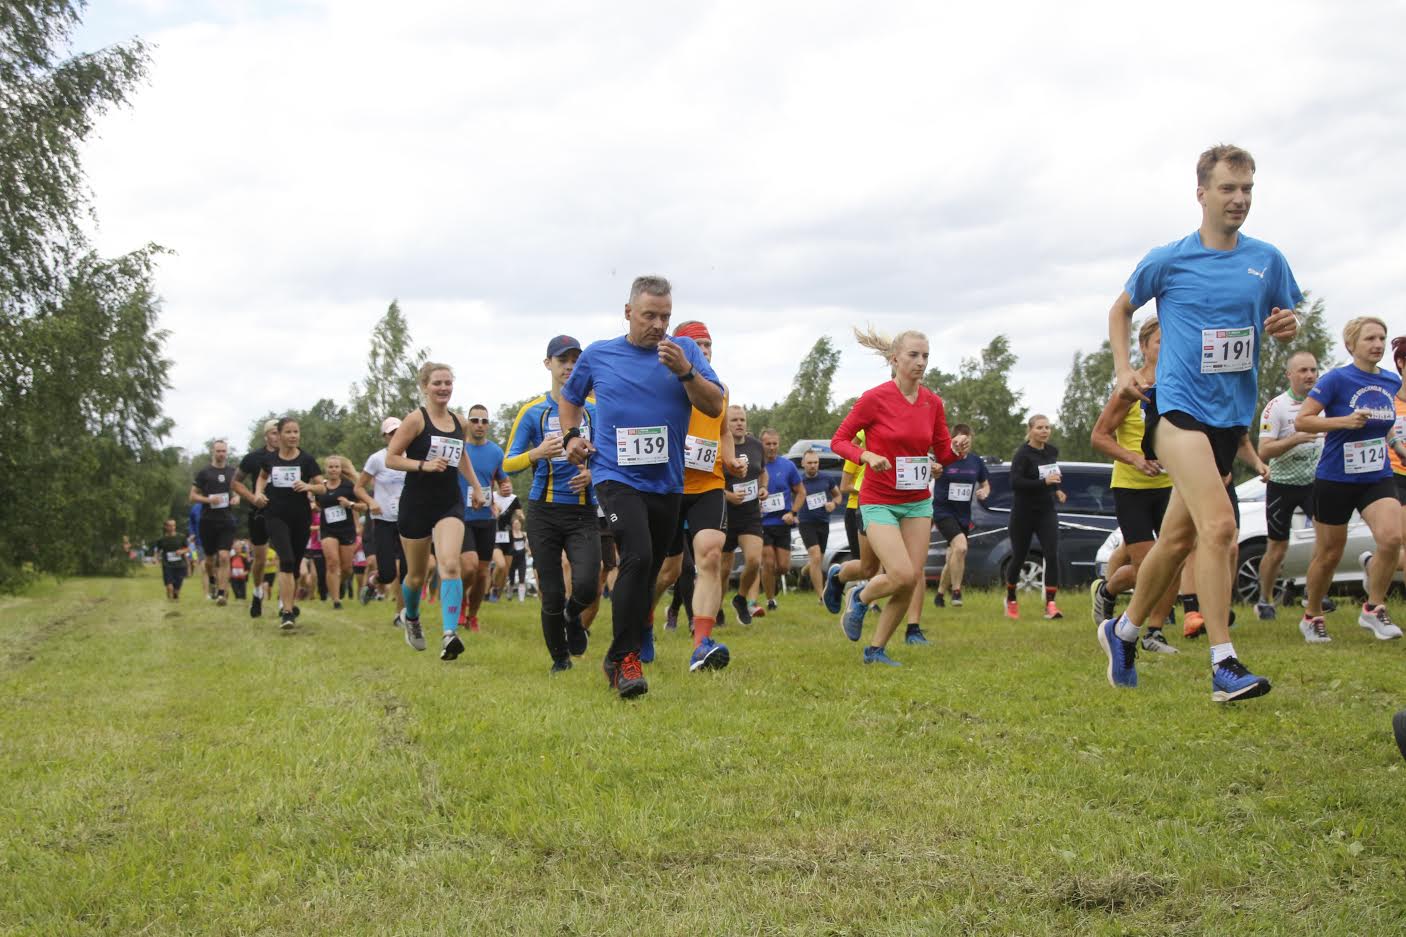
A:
[(1299, 464), (388, 485)]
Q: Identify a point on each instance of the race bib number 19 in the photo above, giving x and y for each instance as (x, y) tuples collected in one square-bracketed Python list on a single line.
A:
[(1226, 351), (1364, 455), (914, 473), (641, 445)]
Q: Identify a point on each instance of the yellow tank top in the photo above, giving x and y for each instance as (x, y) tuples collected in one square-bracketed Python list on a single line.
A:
[(1396, 465), (701, 431), (858, 471), (1129, 436)]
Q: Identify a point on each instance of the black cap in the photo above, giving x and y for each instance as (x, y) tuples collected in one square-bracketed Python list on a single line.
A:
[(561, 345)]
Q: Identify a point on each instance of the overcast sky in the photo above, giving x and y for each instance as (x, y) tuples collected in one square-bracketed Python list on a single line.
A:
[(505, 170)]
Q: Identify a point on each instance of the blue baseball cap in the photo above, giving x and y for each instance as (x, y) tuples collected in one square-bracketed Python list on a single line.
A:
[(561, 345)]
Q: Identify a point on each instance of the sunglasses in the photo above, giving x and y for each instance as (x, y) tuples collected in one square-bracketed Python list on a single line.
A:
[(478, 419)]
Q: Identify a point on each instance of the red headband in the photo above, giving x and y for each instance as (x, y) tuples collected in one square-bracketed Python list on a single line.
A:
[(693, 330)]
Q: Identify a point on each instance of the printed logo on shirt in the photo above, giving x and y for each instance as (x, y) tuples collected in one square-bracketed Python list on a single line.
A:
[(1256, 273)]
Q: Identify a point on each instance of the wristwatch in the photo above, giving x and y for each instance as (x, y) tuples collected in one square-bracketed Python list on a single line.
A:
[(692, 373)]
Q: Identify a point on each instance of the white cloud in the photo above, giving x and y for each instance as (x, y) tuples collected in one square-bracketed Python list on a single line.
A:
[(505, 170)]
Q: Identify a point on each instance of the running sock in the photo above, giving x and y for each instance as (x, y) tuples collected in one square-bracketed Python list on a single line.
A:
[(1220, 652), (1050, 594), (702, 628), (914, 626), (1010, 592), (451, 597), (1125, 629), (412, 601), (1190, 602)]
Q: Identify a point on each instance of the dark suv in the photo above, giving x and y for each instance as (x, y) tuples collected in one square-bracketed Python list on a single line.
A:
[(1084, 522)]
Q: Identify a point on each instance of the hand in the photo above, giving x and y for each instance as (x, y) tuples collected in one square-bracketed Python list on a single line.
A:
[(300, 486), (829, 507), (1061, 497), (788, 519), (550, 448), (1262, 471), (261, 500), (477, 499), (374, 506), (580, 481), (344, 502), (1129, 386), (1356, 419), (936, 470), (1282, 324), (672, 357), (579, 450), (234, 500), (875, 461), (732, 497), (735, 467), (434, 465), (1146, 466), (961, 445), (1052, 478)]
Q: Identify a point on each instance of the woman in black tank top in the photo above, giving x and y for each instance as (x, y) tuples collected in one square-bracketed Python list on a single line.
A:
[(429, 448)]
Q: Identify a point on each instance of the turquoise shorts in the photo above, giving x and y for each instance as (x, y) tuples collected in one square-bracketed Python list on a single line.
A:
[(892, 514)]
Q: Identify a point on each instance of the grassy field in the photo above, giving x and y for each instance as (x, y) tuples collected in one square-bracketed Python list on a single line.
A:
[(185, 770)]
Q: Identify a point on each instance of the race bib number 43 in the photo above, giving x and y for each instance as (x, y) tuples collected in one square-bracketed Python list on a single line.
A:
[(1364, 455), (914, 473), (1226, 351), (447, 448), (285, 476), (641, 445)]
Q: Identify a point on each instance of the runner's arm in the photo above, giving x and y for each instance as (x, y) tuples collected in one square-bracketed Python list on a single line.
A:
[(410, 427), (1311, 420), (239, 488), (1120, 324), (1103, 440)]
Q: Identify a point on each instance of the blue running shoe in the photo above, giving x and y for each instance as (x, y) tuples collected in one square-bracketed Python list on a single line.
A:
[(915, 636), (876, 655), (1121, 655), (834, 590), (647, 645), (709, 655), (1230, 681), (852, 622)]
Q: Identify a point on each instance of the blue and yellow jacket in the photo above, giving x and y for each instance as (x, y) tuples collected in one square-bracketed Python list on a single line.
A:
[(538, 419)]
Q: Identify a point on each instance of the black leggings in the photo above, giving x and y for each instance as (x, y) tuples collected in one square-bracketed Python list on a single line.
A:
[(288, 535), (644, 525), (1039, 522), (554, 529)]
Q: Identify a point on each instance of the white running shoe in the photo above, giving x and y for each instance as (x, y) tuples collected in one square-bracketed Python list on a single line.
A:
[(1314, 630), (413, 635), (1379, 623)]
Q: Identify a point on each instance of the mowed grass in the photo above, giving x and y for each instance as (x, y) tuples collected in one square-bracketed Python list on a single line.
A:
[(185, 770)]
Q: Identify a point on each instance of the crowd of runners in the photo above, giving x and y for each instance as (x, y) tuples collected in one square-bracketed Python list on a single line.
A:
[(646, 480)]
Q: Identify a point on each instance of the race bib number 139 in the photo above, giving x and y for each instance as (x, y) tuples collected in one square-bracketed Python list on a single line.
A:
[(641, 445)]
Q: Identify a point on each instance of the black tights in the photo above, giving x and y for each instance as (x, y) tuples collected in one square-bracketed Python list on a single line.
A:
[(644, 525), (1033, 522)]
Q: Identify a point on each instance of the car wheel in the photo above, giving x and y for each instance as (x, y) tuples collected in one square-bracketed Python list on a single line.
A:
[(1247, 575), (1032, 574)]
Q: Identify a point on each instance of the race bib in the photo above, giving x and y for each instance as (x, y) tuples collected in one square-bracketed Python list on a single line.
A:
[(219, 501), (173, 558), (700, 454), (447, 448), (1364, 455), (641, 445), (1226, 351), (959, 491), (816, 501), (336, 514), (285, 476), (392, 506), (1047, 470), (746, 490), (774, 502), (554, 429), (1398, 429), (502, 537), (914, 472)]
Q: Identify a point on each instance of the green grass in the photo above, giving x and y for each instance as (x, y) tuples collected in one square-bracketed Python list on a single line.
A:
[(188, 771)]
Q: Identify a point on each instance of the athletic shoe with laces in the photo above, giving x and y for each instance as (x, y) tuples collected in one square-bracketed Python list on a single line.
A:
[(337, 605), (1156, 642), (876, 655), (1012, 609), (1314, 629), (1265, 611), (559, 666), (450, 646), (630, 681), (671, 619), (771, 605), (744, 614), (852, 621), (221, 599), (938, 601), (1122, 655), (756, 610), (577, 637), (957, 598), (834, 594), (1378, 622), (1329, 606), (709, 655), (1193, 625), (1102, 602), (297, 613), (612, 671), (915, 636), (1052, 612), (1231, 680), (256, 606), (367, 594), (413, 635), (285, 621)]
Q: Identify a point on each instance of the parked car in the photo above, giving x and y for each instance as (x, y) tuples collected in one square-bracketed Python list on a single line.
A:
[(1293, 575), (1085, 520)]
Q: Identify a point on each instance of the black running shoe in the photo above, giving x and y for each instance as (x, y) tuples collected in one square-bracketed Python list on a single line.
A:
[(285, 622), (451, 647), (739, 605), (256, 606), (577, 637)]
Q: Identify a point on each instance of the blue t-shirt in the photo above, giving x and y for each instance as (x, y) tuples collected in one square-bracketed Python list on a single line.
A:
[(1211, 306), (782, 477), (956, 487), (636, 396), (821, 484), (1357, 455), (487, 460)]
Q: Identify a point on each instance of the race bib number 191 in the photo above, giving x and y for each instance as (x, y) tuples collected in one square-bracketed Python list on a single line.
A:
[(1226, 351), (641, 445)]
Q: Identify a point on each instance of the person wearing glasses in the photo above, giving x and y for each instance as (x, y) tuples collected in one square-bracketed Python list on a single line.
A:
[(480, 527)]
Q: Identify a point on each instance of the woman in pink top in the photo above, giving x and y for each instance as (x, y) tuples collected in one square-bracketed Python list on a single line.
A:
[(904, 428)]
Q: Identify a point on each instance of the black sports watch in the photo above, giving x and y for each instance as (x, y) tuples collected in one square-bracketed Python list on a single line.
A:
[(573, 433), (692, 373)]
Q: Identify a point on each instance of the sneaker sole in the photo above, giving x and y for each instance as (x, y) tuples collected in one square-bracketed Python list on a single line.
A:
[(744, 617), (1108, 652), (1375, 633), (831, 576), (1250, 692), (629, 689), (411, 641), (716, 659), (451, 652), (285, 626), (1093, 601)]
